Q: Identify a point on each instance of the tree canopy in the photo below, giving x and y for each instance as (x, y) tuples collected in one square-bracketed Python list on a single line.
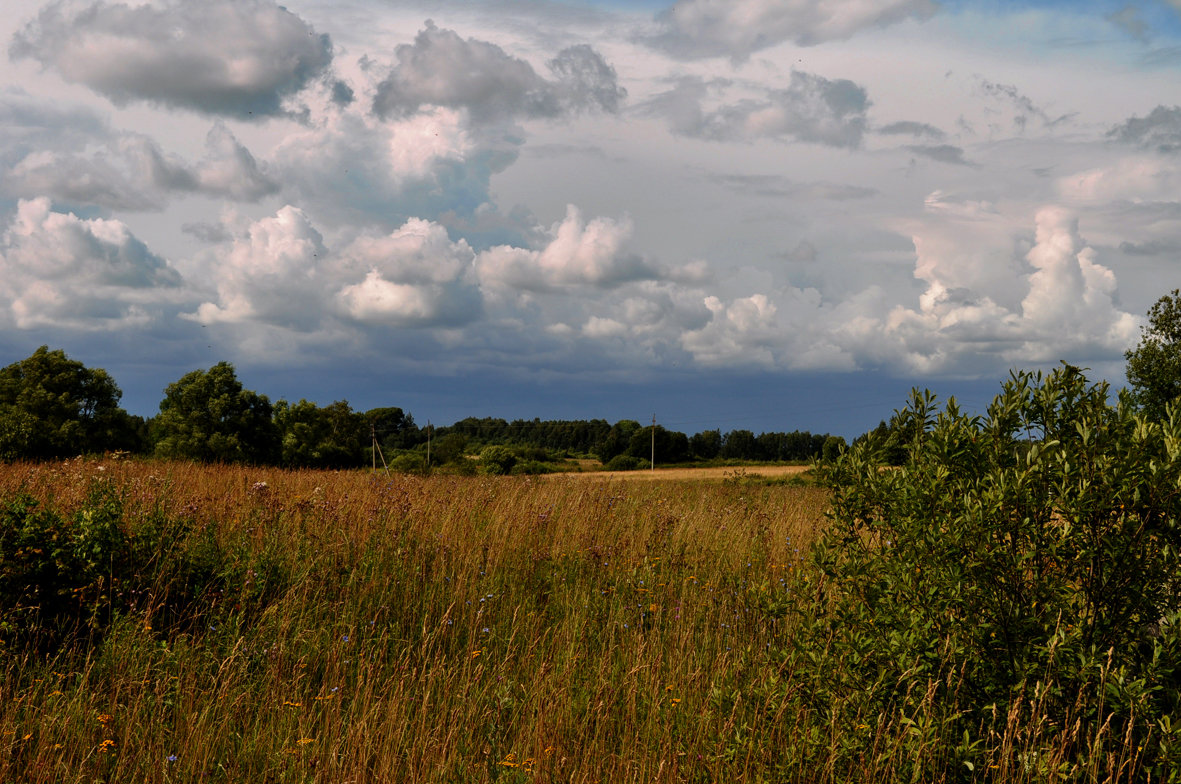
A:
[(1154, 366), (53, 406), (208, 415)]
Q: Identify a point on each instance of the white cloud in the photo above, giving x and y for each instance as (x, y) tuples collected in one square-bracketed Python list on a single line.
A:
[(60, 270), (270, 274), (229, 57), (415, 276), (279, 272), (737, 28), (580, 253), (75, 157), (1133, 179), (355, 169), (967, 315)]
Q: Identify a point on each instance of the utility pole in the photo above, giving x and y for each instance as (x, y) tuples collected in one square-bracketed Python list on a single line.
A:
[(428, 445), (654, 442)]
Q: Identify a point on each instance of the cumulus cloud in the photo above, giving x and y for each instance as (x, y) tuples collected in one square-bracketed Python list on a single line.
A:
[(237, 58), (1160, 130), (442, 69), (42, 154), (57, 269), (279, 272), (737, 28), (811, 109), (1068, 307), (415, 276), (271, 273), (580, 253), (355, 168)]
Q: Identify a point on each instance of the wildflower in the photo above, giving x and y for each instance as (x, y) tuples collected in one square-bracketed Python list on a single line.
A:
[(106, 746), (104, 718), (305, 741), (172, 758)]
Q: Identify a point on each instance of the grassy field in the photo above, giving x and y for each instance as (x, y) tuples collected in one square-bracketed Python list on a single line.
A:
[(303, 626), (701, 473), (165, 622)]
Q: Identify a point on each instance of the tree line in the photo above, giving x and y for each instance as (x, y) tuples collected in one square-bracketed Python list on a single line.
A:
[(52, 406)]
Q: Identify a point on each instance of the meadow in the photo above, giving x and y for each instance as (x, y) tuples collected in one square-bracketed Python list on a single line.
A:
[(261, 625), (170, 622)]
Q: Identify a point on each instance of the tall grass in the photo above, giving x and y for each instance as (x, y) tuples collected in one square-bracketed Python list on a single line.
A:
[(304, 626), (265, 626)]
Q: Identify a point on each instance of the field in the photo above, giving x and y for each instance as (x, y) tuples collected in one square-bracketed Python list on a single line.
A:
[(303, 626), (708, 473), (167, 622)]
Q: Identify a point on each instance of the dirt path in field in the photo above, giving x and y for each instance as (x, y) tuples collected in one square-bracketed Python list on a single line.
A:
[(716, 473)]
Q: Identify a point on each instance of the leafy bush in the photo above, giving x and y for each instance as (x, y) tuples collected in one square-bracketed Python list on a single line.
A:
[(497, 460), (530, 467), (625, 463), (1021, 564)]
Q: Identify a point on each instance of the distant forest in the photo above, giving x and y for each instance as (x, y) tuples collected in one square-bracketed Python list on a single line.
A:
[(53, 407)]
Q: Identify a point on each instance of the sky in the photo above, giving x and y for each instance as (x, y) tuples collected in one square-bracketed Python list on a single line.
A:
[(757, 214)]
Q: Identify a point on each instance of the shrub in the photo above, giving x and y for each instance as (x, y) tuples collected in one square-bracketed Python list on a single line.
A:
[(626, 463), (1020, 564), (497, 460), (530, 467)]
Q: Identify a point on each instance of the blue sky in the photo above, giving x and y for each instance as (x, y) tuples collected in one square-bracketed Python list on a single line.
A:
[(767, 214)]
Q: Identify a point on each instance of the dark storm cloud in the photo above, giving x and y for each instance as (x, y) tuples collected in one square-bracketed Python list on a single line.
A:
[(237, 58), (1160, 130)]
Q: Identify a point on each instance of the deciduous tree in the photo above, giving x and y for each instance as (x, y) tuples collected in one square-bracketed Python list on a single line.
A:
[(209, 416), (1154, 366), (53, 406)]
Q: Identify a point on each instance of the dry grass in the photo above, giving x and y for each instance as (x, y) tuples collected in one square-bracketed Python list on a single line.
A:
[(423, 629), (708, 473)]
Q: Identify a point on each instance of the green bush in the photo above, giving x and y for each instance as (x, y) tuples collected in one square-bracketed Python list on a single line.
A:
[(530, 467), (1023, 563), (497, 460), (625, 463)]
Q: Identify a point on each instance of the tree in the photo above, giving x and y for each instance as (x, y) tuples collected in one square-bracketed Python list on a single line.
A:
[(739, 445), (1154, 366), (394, 428), (706, 445), (208, 415), (671, 446), (313, 437), (617, 440), (53, 406)]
